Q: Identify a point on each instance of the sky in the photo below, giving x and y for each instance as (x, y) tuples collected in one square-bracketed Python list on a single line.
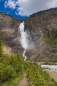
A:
[(24, 8)]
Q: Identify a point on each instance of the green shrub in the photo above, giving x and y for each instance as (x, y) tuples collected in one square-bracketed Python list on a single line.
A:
[(7, 73)]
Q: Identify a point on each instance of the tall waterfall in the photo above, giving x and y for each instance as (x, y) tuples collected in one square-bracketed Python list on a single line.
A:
[(23, 39)]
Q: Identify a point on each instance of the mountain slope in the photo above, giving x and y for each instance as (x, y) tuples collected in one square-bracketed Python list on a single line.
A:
[(38, 25), (9, 32)]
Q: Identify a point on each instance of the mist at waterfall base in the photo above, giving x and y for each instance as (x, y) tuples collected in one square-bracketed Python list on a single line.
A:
[(23, 39)]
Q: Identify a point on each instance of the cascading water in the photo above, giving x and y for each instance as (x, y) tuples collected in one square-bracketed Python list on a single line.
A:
[(23, 39), (24, 54)]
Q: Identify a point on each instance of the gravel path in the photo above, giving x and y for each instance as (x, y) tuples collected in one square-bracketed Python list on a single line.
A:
[(23, 82)]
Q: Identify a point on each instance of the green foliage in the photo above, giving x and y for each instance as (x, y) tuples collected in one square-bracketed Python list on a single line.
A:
[(7, 73), (12, 69), (51, 37), (38, 77)]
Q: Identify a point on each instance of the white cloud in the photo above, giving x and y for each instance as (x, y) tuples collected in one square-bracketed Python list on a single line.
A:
[(52, 4), (28, 7), (10, 4)]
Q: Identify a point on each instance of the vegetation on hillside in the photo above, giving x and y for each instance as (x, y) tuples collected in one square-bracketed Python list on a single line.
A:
[(38, 77), (13, 67), (51, 37)]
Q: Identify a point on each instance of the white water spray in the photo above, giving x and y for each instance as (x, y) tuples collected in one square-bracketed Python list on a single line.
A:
[(23, 39)]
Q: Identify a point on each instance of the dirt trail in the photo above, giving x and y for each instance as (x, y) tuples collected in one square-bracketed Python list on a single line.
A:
[(23, 82)]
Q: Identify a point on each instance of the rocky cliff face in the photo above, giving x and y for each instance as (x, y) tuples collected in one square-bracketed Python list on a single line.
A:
[(36, 26), (9, 32)]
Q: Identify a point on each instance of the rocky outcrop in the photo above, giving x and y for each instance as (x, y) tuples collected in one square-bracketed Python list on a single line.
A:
[(9, 32)]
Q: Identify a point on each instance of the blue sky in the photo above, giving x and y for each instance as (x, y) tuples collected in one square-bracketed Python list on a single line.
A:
[(10, 11), (23, 8)]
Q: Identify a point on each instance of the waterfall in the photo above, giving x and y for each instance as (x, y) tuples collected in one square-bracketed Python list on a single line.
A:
[(23, 38)]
